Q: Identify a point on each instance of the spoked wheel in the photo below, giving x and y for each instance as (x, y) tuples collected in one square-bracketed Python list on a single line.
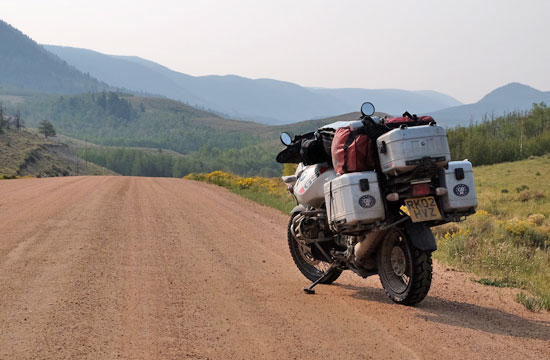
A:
[(312, 268), (405, 272)]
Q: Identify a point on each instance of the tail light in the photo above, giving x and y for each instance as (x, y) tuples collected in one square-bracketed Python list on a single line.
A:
[(421, 189)]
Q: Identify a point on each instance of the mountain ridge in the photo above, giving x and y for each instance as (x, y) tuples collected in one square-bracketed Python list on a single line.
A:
[(512, 97), (262, 100), (26, 65)]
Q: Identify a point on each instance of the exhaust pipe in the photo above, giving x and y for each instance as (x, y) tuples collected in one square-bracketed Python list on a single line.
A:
[(366, 246)]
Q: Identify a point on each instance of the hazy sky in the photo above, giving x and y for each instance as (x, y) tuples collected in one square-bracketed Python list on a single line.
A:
[(463, 48)]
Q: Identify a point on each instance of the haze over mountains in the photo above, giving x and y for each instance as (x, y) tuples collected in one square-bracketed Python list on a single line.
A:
[(26, 65), (263, 100)]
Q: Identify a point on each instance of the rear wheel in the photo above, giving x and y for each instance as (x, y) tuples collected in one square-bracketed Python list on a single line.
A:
[(405, 272), (310, 267)]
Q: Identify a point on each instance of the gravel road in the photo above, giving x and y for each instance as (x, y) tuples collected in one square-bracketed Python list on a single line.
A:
[(153, 268)]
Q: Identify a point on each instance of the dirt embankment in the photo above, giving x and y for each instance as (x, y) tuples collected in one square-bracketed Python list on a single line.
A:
[(142, 268), (25, 153)]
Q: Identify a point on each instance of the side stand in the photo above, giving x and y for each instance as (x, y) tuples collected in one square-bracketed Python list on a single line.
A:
[(309, 290)]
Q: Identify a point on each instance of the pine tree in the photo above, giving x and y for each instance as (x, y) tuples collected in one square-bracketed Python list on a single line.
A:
[(46, 128), (18, 120)]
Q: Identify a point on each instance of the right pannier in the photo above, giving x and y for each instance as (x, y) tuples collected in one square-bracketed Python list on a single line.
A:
[(353, 150)]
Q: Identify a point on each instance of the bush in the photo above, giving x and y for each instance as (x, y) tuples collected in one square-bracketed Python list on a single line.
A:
[(536, 219), (525, 233), (521, 188), (527, 195)]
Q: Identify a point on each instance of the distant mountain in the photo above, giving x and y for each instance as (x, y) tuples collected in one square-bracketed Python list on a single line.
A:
[(505, 99), (26, 65), (261, 100), (392, 101)]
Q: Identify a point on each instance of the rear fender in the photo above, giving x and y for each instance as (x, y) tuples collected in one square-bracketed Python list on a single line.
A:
[(421, 236)]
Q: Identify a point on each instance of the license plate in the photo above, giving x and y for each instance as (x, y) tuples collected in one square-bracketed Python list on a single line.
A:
[(423, 209)]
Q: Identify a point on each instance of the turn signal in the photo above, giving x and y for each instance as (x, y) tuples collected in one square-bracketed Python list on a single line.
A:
[(421, 189), (392, 197), (440, 191)]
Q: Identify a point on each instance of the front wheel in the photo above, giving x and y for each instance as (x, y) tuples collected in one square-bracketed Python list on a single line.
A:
[(405, 272), (310, 267)]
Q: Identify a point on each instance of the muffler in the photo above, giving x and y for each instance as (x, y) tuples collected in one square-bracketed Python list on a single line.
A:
[(366, 247)]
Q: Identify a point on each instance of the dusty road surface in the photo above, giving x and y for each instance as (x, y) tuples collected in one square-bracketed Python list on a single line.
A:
[(148, 268)]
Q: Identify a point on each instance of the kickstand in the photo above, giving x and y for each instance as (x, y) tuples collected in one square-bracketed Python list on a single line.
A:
[(309, 290)]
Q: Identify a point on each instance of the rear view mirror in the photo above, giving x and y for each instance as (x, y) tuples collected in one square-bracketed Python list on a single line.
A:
[(367, 109), (286, 139)]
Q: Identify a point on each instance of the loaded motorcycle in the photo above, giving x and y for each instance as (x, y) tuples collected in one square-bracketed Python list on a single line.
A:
[(368, 192)]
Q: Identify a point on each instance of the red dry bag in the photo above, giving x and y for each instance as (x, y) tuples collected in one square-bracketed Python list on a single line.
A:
[(409, 120), (352, 150)]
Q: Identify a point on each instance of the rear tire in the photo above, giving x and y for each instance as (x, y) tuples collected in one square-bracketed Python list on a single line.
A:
[(306, 264), (405, 272)]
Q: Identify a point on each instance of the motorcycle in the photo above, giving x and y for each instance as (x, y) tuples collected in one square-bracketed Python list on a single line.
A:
[(375, 222)]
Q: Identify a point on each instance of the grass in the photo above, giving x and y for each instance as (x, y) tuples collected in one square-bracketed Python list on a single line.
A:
[(496, 283), (532, 303), (514, 189), (506, 243)]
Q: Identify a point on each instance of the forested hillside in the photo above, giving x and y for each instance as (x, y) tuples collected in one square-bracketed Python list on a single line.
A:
[(248, 161), (114, 119), (123, 123), (26, 65), (508, 138)]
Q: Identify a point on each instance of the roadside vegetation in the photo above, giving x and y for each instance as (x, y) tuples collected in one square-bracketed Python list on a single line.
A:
[(266, 191)]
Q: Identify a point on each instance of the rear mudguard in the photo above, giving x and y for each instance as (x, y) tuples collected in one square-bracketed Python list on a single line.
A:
[(420, 236), (297, 209)]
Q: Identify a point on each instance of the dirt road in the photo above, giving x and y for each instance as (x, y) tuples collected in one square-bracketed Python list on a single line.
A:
[(148, 268)]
